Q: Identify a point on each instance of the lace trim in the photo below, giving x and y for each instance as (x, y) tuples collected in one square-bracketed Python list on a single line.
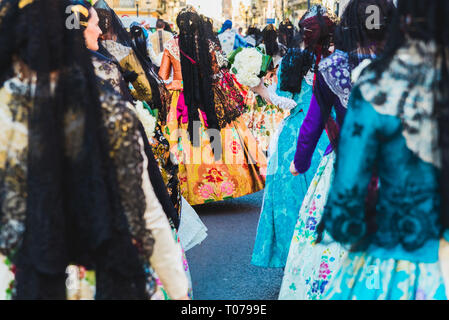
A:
[(336, 74), (107, 72), (172, 46), (412, 75), (116, 49)]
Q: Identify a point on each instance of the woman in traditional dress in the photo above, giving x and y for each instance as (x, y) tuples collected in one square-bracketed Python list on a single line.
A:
[(263, 115), (146, 88), (153, 96), (310, 266), (88, 199), (230, 39), (280, 210), (218, 157), (396, 128)]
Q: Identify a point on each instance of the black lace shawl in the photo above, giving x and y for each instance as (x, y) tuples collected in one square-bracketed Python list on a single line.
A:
[(197, 73), (111, 24), (74, 213), (157, 181)]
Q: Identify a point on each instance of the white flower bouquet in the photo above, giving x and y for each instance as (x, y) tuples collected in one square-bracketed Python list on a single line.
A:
[(148, 121)]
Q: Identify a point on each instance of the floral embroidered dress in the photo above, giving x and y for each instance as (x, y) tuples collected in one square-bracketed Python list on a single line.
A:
[(394, 133), (311, 266), (279, 212), (203, 178), (262, 118)]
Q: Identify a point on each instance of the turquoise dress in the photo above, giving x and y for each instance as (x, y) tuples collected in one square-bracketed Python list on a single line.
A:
[(393, 134), (284, 192)]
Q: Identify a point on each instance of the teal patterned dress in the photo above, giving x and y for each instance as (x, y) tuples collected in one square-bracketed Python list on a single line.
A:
[(284, 192), (392, 133)]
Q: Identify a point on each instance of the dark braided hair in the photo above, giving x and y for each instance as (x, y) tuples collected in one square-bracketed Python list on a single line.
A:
[(316, 31), (197, 73), (352, 34), (286, 33)]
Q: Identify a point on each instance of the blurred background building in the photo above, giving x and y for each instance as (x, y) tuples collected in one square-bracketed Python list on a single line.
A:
[(243, 13)]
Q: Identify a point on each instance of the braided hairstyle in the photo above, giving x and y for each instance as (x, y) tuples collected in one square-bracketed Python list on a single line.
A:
[(316, 32), (353, 35), (270, 39), (426, 21), (196, 66)]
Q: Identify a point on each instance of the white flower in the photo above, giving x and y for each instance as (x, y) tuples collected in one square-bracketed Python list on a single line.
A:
[(247, 64), (358, 70), (148, 121)]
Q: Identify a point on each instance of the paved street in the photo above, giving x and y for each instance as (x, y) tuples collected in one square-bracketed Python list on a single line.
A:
[(220, 266)]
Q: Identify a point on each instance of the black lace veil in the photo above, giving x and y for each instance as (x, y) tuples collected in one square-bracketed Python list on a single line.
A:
[(196, 65), (71, 214), (298, 61), (113, 29)]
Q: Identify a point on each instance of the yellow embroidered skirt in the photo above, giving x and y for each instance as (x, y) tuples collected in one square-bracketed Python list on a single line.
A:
[(239, 171)]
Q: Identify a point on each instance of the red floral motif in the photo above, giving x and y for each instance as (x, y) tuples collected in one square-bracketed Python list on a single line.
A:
[(213, 175), (235, 147), (324, 270)]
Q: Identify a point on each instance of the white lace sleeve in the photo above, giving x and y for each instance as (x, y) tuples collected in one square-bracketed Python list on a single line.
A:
[(166, 259), (281, 102)]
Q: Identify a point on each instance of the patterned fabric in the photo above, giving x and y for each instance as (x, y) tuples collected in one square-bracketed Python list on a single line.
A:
[(81, 283), (279, 212), (408, 205), (261, 118), (107, 73), (364, 277), (116, 49), (403, 248), (204, 179), (311, 266), (14, 113), (172, 47), (336, 72), (229, 101)]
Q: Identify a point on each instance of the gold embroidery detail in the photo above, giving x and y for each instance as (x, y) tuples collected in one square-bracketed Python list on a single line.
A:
[(79, 8), (24, 3)]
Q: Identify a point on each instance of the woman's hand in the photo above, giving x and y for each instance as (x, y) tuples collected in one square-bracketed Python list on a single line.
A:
[(262, 91), (293, 169)]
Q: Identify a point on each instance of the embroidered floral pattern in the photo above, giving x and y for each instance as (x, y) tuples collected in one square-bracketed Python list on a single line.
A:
[(311, 266), (338, 79)]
